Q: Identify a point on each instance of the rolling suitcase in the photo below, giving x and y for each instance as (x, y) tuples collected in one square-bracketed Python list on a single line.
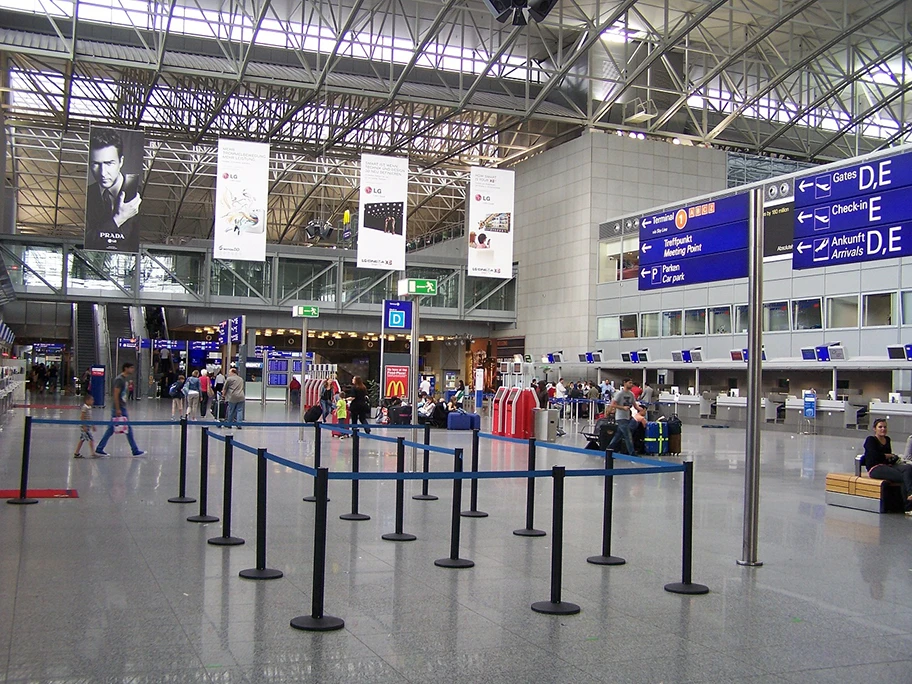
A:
[(339, 421), (400, 415), (657, 437), (459, 421), (674, 435), (313, 414)]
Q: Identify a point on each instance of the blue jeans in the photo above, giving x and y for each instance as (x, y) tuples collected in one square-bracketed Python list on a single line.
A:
[(623, 431), (110, 431), (235, 413), (327, 407)]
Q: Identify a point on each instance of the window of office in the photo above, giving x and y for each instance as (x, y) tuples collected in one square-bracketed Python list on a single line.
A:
[(720, 320), (695, 322), (630, 259), (807, 314), (608, 328), (671, 323), (609, 259), (741, 318), (628, 325), (775, 317), (878, 309), (842, 312), (906, 303), (649, 325)]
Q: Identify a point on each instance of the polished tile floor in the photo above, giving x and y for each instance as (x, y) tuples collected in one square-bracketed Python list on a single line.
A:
[(116, 586)]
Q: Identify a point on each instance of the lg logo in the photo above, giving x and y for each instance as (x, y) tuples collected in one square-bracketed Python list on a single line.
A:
[(376, 191), (229, 176), (482, 198)]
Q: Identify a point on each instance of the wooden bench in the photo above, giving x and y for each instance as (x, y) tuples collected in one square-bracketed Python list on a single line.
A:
[(862, 492)]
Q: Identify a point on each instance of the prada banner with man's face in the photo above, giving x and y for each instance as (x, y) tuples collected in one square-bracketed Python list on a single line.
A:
[(113, 192)]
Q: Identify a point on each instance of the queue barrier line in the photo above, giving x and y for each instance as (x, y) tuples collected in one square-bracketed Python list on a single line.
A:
[(61, 421), (503, 438), (294, 465)]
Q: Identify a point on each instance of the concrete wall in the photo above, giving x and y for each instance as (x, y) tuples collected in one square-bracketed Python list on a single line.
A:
[(561, 197)]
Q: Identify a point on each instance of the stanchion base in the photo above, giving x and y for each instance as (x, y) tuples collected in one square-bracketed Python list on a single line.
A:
[(558, 608), (529, 533), (473, 514), (354, 516), (393, 536), (686, 588), (225, 541), (327, 623), (21, 502), (312, 499), (258, 574), (454, 563), (749, 564), (182, 499), (202, 518), (425, 497), (606, 560)]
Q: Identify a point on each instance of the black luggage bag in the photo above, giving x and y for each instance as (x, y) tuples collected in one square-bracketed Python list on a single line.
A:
[(313, 414)]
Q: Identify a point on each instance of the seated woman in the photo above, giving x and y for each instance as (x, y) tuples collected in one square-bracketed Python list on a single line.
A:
[(883, 464)]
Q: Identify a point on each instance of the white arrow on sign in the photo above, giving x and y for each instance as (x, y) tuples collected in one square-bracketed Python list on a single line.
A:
[(646, 248), (805, 184), (647, 222), (801, 247), (644, 273), (802, 217)]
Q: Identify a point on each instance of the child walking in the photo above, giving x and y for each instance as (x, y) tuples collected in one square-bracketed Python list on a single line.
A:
[(85, 431), (341, 414)]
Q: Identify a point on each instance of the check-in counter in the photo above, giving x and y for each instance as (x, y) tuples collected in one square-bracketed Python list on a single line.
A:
[(733, 409), (830, 414), (771, 406), (686, 406), (899, 416)]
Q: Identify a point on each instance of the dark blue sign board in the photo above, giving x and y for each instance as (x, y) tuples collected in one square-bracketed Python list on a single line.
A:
[(230, 331), (397, 315), (854, 214), (810, 405), (179, 345), (689, 271), (202, 345), (48, 348), (697, 243)]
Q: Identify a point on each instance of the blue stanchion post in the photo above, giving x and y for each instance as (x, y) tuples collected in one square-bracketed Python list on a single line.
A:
[(203, 516), (424, 496), (399, 535), (226, 539), (23, 498), (261, 572), (182, 497), (473, 511), (529, 530), (556, 606), (606, 558), (454, 561), (318, 621), (686, 586), (356, 468)]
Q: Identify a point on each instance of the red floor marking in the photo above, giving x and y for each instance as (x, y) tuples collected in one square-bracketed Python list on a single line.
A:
[(41, 494)]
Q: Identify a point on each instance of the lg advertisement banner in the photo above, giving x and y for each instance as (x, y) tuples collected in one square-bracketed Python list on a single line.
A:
[(381, 220), (396, 382), (241, 196), (113, 192), (491, 223)]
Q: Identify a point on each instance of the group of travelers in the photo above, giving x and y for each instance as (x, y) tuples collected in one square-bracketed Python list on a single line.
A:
[(44, 378)]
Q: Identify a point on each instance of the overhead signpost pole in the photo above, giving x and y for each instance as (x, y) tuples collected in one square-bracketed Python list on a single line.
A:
[(754, 368), (304, 313), (416, 287)]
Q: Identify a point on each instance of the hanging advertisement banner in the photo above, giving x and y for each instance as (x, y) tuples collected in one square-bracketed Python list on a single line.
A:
[(241, 195), (113, 192), (490, 229), (381, 215)]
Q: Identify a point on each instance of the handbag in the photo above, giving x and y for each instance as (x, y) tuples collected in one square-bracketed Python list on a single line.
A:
[(120, 425)]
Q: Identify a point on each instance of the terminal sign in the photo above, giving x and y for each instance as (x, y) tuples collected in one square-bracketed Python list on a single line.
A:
[(854, 214), (699, 243), (397, 315)]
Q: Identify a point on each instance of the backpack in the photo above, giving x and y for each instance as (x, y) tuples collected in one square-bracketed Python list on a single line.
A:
[(175, 389)]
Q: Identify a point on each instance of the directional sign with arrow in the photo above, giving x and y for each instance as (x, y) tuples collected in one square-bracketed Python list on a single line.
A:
[(305, 311), (417, 286)]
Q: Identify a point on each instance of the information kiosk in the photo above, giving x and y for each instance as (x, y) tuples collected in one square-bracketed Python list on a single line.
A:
[(499, 410)]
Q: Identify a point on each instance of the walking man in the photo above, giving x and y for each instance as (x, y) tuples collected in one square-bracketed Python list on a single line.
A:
[(234, 395), (620, 405), (119, 409)]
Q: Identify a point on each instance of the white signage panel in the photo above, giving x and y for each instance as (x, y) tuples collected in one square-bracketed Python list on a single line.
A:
[(241, 197), (381, 215), (490, 230)]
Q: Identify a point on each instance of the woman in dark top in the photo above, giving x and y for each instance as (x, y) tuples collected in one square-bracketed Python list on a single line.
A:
[(883, 464), (360, 406)]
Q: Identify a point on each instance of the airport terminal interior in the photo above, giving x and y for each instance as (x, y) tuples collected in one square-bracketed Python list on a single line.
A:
[(487, 211)]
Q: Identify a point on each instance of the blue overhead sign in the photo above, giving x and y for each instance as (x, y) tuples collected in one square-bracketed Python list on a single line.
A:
[(397, 315), (696, 243), (854, 214), (709, 241), (693, 217), (693, 270)]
